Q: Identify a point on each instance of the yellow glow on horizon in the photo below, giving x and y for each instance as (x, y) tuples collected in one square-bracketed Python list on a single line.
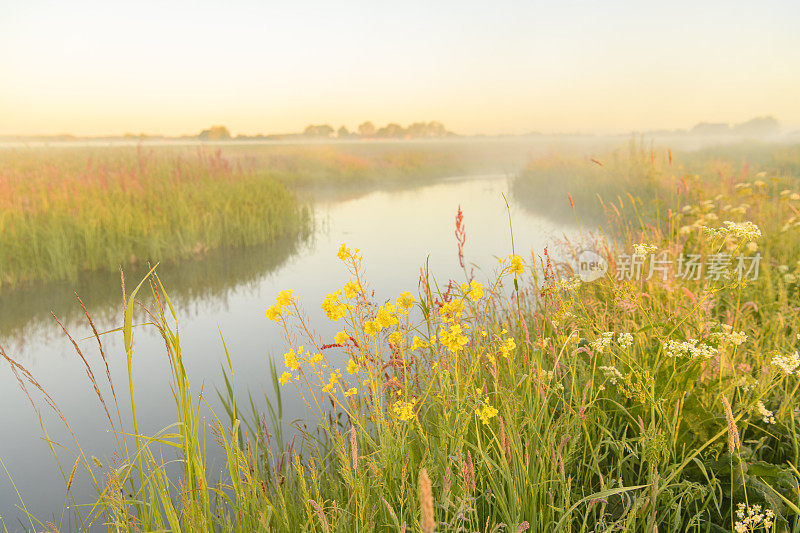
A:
[(99, 69)]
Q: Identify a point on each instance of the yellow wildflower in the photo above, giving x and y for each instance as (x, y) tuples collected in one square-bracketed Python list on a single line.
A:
[(507, 347), (351, 289), (517, 266), (341, 338), (473, 290), (316, 358), (350, 392), (453, 338), (405, 300), (404, 410), (334, 309), (285, 378), (285, 298), (329, 388), (290, 360), (452, 310), (344, 252), (395, 338), (273, 313), (486, 412), (386, 317), (416, 343), (353, 367), (371, 328)]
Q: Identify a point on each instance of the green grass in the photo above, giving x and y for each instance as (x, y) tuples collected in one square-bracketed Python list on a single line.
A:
[(62, 212), (539, 424)]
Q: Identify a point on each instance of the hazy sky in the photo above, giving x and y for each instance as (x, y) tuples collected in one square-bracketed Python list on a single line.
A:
[(478, 67)]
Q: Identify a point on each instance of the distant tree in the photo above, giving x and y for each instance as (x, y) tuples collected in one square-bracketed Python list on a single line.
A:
[(391, 130), (367, 129), (709, 128), (343, 132), (758, 127), (322, 130), (215, 133), (436, 129)]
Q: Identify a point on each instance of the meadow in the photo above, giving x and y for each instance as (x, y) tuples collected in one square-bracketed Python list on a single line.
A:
[(524, 399)]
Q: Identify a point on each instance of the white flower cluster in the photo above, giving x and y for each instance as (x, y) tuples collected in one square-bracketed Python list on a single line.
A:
[(644, 248), (766, 414), (601, 345), (612, 374), (787, 363), (727, 335), (625, 340), (750, 518), (691, 348), (745, 231)]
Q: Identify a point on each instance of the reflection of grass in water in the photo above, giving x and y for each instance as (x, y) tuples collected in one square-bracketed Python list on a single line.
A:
[(212, 278), (548, 184)]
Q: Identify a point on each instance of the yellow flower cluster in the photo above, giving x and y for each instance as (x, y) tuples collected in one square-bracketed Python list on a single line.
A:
[(291, 361), (486, 412), (281, 307), (452, 311), (517, 266), (405, 300), (353, 367), (333, 307), (453, 339), (507, 347), (346, 253), (404, 410), (473, 290), (385, 318)]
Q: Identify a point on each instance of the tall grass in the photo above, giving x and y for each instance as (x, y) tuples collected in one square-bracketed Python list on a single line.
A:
[(61, 213), (522, 401)]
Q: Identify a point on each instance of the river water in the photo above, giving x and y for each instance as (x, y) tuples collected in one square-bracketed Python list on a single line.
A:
[(225, 293)]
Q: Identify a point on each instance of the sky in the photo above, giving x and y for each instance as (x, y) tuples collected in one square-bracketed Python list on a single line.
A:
[(162, 67)]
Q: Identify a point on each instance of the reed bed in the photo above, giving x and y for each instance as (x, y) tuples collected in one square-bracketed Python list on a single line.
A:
[(525, 400), (62, 212)]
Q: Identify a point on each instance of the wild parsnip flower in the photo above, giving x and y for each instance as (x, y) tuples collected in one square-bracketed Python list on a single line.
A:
[(750, 518), (353, 367), (405, 300), (334, 309), (766, 414), (291, 361), (404, 410), (788, 364), (285, 378), (486, 412), (417, 343), (281, 307), (517, 265), (473, 290), (351, 289), (453, 338), (386, 317), (507, 347), (690, 348), (371, 328), (452, 311)]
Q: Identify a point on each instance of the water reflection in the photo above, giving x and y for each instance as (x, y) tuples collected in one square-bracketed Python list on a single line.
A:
[(25, 312)]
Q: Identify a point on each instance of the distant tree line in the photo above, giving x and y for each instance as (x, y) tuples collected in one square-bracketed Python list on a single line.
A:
[(392, 130), (755, 127)]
